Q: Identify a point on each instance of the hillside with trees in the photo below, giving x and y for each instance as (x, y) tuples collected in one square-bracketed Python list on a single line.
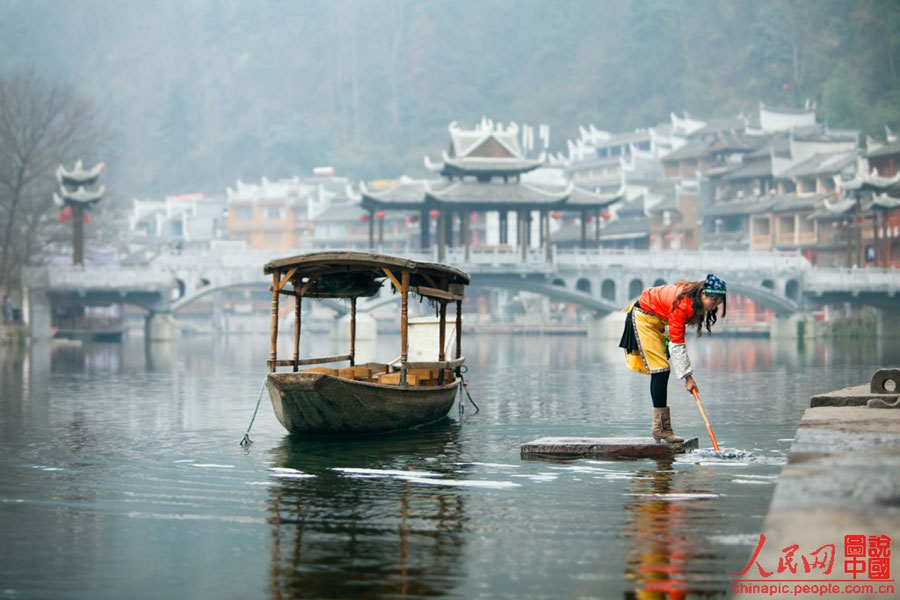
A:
[(200, 93)]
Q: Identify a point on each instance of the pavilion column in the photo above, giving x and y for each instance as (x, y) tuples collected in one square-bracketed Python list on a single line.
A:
[(380, 233), (504, 227), (371, 229), (583, 230), (597, 229), (548, 243), (442, 236), (522, 237), (448, 225), (424, 230), (466, 237), (528, 218)]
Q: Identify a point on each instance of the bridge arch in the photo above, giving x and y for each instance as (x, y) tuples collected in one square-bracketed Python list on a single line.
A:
[(583, 285), (792, 289), (608, 290), (635, 287), (659, 281), (559, 282)]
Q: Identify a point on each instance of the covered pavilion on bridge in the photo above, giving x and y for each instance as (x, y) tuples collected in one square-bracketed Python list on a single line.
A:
[(482, 172)]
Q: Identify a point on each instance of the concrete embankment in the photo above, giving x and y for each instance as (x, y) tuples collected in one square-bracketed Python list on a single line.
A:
[(842, 478)]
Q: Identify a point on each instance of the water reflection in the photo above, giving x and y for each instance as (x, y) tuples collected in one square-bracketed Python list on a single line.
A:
[(664, 532), (341, 534)]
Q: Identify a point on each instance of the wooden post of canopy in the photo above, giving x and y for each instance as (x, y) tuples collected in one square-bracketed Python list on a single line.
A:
[(371, 229), (597, 229), (273, 356), (404, 323), (458, 328), (298, 299), (442, 336), (353, 331)]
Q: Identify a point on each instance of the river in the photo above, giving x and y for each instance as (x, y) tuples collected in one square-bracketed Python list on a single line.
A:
[(121, 474)]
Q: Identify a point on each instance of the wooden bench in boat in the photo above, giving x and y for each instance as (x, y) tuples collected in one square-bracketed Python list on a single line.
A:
[(378, 373)]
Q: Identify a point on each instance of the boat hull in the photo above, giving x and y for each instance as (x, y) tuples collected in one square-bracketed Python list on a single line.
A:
[(321, 403)]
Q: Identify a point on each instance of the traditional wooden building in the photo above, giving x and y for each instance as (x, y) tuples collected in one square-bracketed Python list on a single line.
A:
[(482, 176)]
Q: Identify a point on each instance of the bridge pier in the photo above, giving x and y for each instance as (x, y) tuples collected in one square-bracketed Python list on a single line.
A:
[(799, 325), (887, 323), (160, 327), (36, 312)]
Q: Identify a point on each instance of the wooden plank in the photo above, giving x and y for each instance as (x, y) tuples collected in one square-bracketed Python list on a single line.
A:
[(446, 364), (287, 278), (308, 361), (394, 379), (434, 293), (609, 447), (392, 278)]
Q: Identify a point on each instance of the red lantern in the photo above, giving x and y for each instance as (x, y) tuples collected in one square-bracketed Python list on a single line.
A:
[(556, 214), (68, 211), (62, 216), (434, 213), (605, 215), (364, 218), (474, 217), (87, 217), (412, 219), (589, 219), (379, 214)]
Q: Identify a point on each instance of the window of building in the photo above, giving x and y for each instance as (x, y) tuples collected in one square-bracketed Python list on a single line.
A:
[(274, 212), (243, 213)]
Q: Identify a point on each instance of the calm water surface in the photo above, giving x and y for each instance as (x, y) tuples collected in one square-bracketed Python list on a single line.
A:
[(121, 475)]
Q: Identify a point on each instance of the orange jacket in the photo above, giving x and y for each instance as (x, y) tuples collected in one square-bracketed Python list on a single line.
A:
[(658, 300)]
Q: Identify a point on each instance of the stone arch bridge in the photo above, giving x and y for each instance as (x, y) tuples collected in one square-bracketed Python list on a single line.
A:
[(603, 281)]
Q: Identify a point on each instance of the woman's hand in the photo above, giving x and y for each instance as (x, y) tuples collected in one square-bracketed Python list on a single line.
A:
[(690, 385)]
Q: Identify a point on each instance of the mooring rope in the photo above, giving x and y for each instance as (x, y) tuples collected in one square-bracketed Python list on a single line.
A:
[(465, 386), (246, 441)]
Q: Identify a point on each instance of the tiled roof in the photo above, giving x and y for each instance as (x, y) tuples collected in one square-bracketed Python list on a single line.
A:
[(793, 202), (757, 168), (745, 206), (496, 193), (831, 163), (630, 228), (886, 150)]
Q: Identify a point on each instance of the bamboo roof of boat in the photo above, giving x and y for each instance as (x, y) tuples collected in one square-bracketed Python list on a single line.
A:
[(352, 274)]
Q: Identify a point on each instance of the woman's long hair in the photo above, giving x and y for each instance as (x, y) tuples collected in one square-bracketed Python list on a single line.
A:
[(692, 290)]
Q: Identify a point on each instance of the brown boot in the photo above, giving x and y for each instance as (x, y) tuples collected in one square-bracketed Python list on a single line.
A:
[(657, 430), (667, 433)]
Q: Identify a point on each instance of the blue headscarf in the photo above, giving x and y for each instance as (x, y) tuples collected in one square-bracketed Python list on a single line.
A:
[(714, 285)]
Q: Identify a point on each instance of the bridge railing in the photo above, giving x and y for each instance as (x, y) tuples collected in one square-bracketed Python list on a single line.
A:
[(853, 280), (74, 278)]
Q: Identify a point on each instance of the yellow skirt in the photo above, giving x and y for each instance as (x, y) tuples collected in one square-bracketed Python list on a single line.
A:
[(650, 332)]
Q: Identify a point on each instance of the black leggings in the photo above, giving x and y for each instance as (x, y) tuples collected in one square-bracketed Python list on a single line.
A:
[(659, 385)]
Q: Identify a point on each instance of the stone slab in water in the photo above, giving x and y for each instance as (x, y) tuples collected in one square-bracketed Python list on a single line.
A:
[(599, 447)]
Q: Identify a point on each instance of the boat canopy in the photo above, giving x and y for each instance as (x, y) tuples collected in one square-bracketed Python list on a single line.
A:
[(349, 274)]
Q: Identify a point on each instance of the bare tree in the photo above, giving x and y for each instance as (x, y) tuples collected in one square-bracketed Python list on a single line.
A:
[(42, 124)]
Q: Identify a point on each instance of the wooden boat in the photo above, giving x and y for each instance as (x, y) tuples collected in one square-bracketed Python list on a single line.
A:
[(370, 397)]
